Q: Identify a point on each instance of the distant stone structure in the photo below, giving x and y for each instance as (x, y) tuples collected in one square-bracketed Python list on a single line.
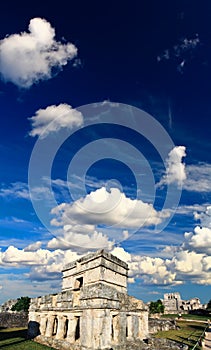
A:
[(7, 306), (93, 311), (174, 304)]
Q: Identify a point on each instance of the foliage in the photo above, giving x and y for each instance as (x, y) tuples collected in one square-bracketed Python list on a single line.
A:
[(22, 304), (156, 307), (209, 305)]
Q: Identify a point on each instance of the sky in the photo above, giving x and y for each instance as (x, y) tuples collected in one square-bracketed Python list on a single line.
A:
[(105, 143)]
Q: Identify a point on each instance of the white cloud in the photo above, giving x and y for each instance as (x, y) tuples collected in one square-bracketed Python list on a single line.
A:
[(17, 256), (204, 217), (121, 254), (33, 247), (198, 178), (190, 209), (188, 263), (79, 240), (181, 53), (175, 168), (41, 261), (27, 58), (109, 208), (53, 118), (152, 270), (15, 190), (200, 240)]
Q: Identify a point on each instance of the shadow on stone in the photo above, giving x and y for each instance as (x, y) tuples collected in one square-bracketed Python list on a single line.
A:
[(33, 329)]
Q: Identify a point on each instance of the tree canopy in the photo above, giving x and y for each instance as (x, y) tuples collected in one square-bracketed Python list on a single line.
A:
[(156, 307), (209, 305), (22, 304)]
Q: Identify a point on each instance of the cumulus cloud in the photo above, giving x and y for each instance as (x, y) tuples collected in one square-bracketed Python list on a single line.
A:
[(204, 217), (181, 53), (33, 247), (109, 208), (41, 261), (27, 58), (53, 118), (100, 219), (80, 240), (200, 239), (175, 168), (15, 256), (190, 261), (121, 254)]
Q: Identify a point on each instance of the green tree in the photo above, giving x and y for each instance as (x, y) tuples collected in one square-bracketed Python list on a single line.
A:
[(209, 306), (22, 304), (156, 307)]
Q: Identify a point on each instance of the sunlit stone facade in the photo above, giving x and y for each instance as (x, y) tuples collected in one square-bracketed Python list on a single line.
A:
[(93, 311), (174, 304)]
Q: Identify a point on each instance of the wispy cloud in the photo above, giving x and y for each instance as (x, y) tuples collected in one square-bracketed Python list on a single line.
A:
[(27, 58), (198, 178), (15, 190), (181, 53)]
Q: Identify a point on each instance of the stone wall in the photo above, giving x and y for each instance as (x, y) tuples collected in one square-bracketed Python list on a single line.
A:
[(12, 320), (156, 325)]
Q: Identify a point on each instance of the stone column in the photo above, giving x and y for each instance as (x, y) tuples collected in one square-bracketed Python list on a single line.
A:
[(50, 324), (96, 329), (60, 328), (72, 322), (145, 324), (122, 325), (43, 321)]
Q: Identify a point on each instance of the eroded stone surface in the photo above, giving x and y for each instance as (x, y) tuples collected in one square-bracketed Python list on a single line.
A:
[(93, 311)]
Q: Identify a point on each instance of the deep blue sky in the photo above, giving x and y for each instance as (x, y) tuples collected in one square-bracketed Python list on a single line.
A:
[(152, 55)]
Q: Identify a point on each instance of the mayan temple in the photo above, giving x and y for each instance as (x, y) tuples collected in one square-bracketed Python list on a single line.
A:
[(93, 310)]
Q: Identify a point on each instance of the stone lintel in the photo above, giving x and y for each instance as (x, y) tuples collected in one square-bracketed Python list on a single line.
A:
[(93, 256)]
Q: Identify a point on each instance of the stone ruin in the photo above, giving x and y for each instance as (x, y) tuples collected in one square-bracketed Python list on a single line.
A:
[(93, 311), (174, 304)]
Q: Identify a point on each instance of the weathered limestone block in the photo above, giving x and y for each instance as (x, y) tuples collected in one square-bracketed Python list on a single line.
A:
[(50, 326), (61, 327), (156, 325), (71, 331), (43, 323), (93, 311)]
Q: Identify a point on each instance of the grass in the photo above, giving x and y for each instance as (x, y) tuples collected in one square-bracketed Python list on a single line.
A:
[(16, 339), (187, 317), (188, 333)]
